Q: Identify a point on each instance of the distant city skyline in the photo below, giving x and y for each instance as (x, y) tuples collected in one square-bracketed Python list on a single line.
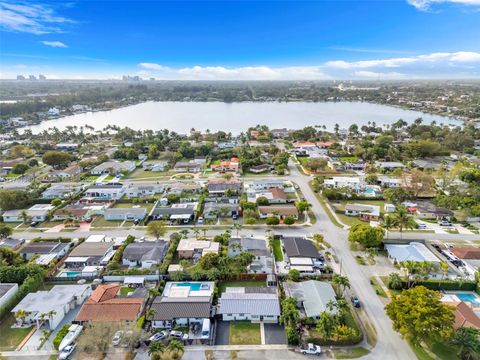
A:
[(241, 40)]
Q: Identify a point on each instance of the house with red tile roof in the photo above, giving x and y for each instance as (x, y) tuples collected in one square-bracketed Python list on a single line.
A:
[(107, 305), (469, 253)]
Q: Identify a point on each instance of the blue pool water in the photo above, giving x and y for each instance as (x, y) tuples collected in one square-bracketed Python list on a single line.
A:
[(72, 273), (467, 297), (192, 286)]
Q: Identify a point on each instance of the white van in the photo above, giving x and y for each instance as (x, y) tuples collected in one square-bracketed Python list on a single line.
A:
[(205, 329)]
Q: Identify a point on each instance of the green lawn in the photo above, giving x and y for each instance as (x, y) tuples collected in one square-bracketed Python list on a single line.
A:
[(101, 222), (125, 290), (378, 289), (350, 353), (50, 224), (92, 178), (142, 174), (244, 333), (11, 338), (147, 206), (108, 178), (247, 283), (277, 250)]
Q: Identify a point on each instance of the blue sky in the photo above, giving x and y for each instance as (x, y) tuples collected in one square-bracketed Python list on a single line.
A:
[(241, 39)]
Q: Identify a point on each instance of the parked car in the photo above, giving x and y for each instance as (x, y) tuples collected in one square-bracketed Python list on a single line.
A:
[(444, 223), (355, 301), (34, 223), (158, 336), (178, 335), (311, 349), (422, 226), (67, 351), (117, 338)]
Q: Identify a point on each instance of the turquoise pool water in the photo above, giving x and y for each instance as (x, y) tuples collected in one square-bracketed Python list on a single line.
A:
[(192, 286), (468, 297), (369, 191), (71, 273)]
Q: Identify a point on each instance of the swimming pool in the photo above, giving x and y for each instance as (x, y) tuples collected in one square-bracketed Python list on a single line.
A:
[(468, 297), (192, 286), (70, 274)]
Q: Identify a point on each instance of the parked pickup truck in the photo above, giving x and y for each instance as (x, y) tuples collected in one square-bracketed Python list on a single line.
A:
[(311, 349)]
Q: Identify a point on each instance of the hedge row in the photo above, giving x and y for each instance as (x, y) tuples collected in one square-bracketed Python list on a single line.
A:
[(172, 248), (60, 335), (444, 285)]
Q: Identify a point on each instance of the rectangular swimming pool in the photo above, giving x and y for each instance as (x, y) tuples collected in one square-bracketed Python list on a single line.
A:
[(468, 297), (192, 286)]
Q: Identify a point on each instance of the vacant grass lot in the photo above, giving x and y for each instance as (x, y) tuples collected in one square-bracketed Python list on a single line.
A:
[(101, 222), (11, 338), (142, 174), (248, 283), (244, 333)]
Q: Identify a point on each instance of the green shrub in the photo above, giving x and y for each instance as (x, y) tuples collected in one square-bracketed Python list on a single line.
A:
[(444, 285), (289, 220), (60, 335), (272, 220)]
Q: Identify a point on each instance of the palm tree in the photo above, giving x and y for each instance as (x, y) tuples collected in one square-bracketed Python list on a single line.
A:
[(153, 292), (394, 281), (196, 232), (410, 267), (467, 339), (444, 268), (176, 346), (150, 314), (237, 227), (156, 347), (403, 220), (184, 233), (388, 223), (341, 282), (50, 315), (21, 314), (24, 216)]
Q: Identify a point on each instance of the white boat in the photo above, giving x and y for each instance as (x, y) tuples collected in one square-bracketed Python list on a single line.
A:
[(73, 331)]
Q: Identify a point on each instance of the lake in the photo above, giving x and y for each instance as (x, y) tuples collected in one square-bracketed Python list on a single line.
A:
[(237, 117)]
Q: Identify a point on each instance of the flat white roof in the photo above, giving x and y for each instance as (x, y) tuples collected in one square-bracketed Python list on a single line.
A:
[(300, 261), (76, 259), (96, 238), (414, 251), (134, 279), (302, 268)]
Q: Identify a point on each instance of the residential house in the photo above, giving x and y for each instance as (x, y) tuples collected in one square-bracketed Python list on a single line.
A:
[(66, 147), (67, 173), (312, 296), (7, 292), (354, 183), (389, 182), (105, 192), (90, 254), (79, 211), (12, 244), (430, 211), (56, 249), (38, 212), (301, 254), (232, 165), (144, 254), (279, 133), (136, 213), (51, 306), (262, 257), (280, 211), (216, 187), (214, 210), (253, 304), (188, 167), (389, 165), (194, 249), (183, 304), (258, 185), (107, 305), (143, 191), (155, 165), (466, 253), (258, 169), (183, 212), (363, 211), (413, 251), (60, 191), (113, 167), (465, 316)]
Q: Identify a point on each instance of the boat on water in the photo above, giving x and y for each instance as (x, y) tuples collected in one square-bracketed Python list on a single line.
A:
[(73, 332)]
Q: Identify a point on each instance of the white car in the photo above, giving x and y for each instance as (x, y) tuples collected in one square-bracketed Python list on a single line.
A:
[(178, 335), (67, 351), (117, 338), (311, 349), (158, 336)]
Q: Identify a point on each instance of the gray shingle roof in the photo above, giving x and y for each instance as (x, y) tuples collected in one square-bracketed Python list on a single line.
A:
[(169, 309), (299, 247), (145, 251)]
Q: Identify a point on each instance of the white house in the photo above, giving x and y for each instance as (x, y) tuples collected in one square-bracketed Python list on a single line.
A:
[(125, 214), (414, 251), (113, 167), (52, 305), (37, 212), (182, 304), (351, 182), (143, 191), (106, 192), (249, 303)]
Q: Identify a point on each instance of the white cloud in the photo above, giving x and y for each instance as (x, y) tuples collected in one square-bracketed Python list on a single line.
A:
[(35, 19), (235, 73), (378, 75), (425, 5), (54, 44)]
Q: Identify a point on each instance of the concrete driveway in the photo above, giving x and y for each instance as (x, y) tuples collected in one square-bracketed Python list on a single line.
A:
[(222, 333), (275, 334)]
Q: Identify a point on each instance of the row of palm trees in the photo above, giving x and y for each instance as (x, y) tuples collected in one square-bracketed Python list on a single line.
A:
[(414, 271)]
